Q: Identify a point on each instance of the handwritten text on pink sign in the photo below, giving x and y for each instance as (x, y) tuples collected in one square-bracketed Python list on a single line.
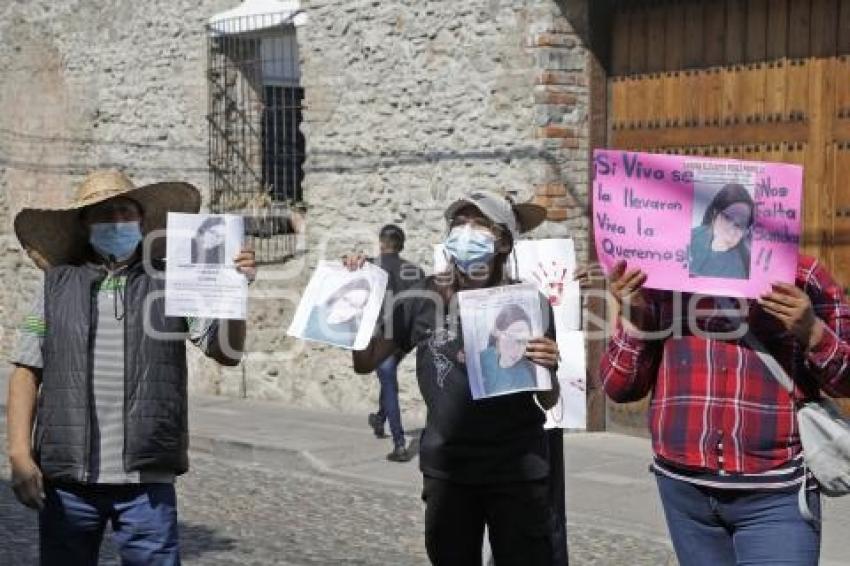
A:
[(717, 226)]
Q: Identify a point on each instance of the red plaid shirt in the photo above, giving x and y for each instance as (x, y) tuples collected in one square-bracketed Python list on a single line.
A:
[(715, 406)]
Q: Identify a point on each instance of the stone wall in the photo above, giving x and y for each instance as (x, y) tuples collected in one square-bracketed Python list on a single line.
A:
[(409, 104), (87, 84)]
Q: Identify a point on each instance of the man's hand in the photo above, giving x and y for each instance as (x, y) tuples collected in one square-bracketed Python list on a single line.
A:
[(543, 351), (27, 482), (246, 263), (626, 290), (353, 262), (793, 308)]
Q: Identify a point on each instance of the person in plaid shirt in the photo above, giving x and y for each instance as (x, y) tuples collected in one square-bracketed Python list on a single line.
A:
[(728, 457)]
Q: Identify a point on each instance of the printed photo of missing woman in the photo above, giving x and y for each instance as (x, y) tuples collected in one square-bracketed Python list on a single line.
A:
[(340, 307), (208, 242), (722, 231), (498, 323)]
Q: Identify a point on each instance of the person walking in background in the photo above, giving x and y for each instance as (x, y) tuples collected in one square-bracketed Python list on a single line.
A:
[(101, 371), (402, 276)]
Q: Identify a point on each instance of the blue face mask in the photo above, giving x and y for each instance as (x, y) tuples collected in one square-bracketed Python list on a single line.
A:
[(115, 239), (469, 247)]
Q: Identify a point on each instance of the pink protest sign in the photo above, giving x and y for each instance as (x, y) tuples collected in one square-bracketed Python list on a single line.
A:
[(714, 226)]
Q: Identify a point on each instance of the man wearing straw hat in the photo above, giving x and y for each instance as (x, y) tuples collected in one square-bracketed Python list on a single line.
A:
[(101, 372)]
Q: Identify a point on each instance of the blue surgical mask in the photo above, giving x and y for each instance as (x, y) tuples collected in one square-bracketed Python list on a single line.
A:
[(116, 240), (468, 247)]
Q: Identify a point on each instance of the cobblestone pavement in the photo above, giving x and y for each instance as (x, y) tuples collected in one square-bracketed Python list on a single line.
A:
[(247, 516)]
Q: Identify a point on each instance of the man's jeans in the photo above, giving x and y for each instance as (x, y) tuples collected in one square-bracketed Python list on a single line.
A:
[(713, 527), (388, 409), (143, 519)]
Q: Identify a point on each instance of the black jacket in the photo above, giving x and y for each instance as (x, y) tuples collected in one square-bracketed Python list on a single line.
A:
[(155, 378)]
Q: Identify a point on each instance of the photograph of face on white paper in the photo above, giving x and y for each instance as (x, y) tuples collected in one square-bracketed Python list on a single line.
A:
[(504, 367), (201, 276), (497, 325), (340, 307), (208, 243)]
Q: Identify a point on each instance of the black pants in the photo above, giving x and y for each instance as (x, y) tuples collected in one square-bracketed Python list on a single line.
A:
[(555, 437), (518, 517)]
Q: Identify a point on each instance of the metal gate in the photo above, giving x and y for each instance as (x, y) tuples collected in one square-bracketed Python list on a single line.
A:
[(256, 149)]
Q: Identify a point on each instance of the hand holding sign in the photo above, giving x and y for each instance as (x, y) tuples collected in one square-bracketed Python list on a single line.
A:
[(543, 351), (793, 308), (246, 263), (626, 289)]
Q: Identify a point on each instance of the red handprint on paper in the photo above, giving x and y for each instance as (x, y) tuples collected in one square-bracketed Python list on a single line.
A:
[(552, 281)]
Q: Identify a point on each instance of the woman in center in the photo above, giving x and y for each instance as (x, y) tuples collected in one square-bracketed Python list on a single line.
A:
[(484, 462)]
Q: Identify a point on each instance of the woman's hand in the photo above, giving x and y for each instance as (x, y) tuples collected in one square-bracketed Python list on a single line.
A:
[(543, 351), (626, 290), (793, 308), (585, 274), (246, 263)]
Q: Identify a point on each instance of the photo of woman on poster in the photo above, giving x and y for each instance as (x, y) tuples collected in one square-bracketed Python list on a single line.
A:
[(337, 319), (504, 367), (720, 244), (208, 242)]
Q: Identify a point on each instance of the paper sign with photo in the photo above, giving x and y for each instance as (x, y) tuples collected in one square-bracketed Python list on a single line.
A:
[(498, 322), (340, 307), (550, 264), (201, 279), (714, 226), (571, 410), (441, 260)]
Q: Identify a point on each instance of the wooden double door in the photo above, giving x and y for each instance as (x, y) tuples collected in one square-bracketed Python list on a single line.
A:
[(765, 80)]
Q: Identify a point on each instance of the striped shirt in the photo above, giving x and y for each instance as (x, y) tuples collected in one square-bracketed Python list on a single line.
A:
[(107, 446), (714, 406), (788, 476)]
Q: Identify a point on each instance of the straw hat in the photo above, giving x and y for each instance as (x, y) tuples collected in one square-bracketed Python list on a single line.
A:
[(58, 235)]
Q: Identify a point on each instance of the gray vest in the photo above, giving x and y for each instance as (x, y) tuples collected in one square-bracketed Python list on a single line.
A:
[(156, 431)]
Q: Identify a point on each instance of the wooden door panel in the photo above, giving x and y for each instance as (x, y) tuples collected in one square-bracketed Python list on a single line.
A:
[(755, 79), (672, 111), (711, 111), (776, 77)]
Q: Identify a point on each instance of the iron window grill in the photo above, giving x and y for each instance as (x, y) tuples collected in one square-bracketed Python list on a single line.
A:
[(256, 148)]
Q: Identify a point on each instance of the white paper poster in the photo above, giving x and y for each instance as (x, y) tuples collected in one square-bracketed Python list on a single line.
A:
[(498, 322), (550, 265), (340, 307), (201, 279)]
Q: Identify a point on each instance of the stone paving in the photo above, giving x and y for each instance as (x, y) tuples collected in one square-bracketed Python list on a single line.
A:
[(243, 515)]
